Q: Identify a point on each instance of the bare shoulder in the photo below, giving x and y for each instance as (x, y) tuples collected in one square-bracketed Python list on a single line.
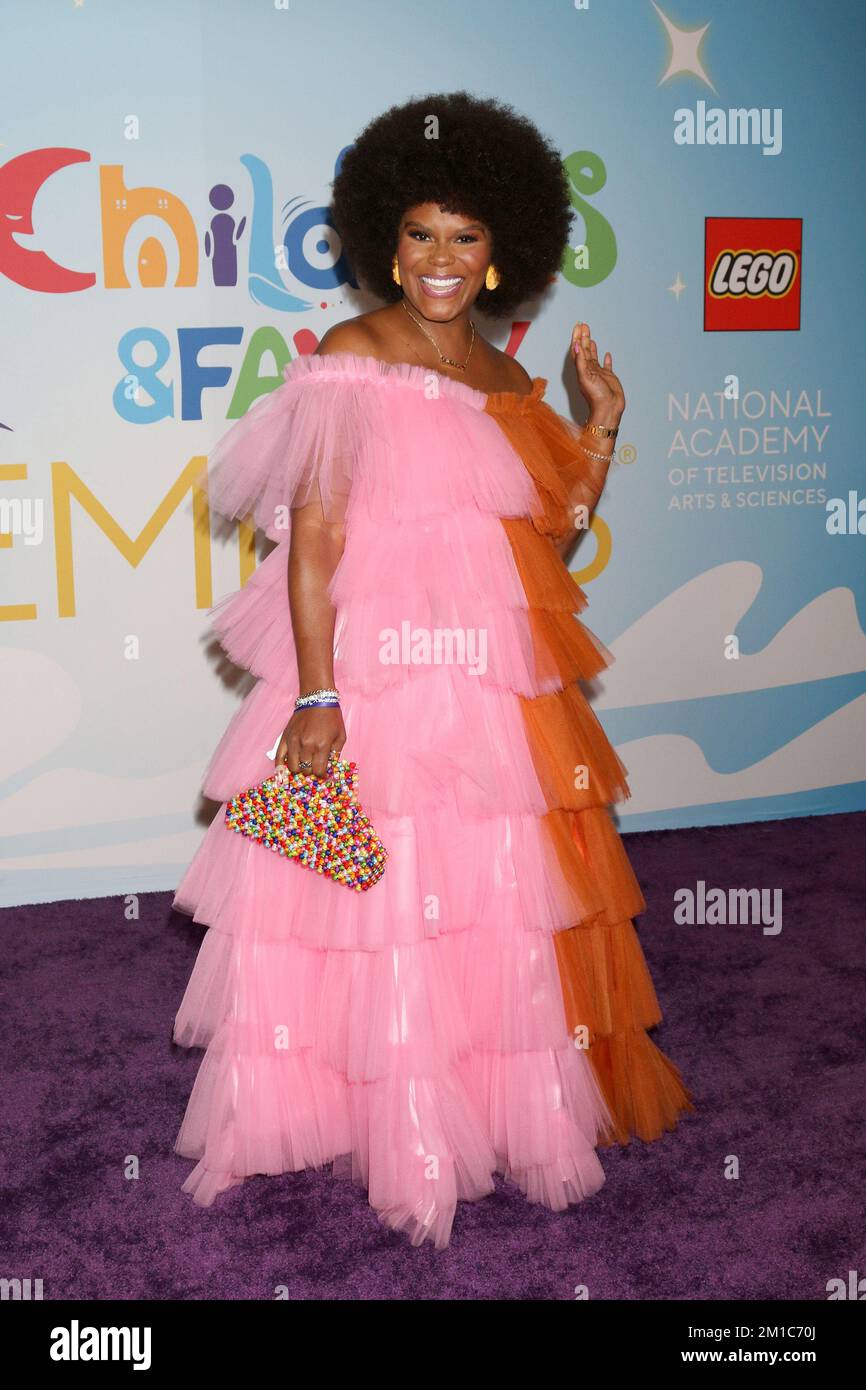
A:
[(515, 377), (352, 335), (368, 335)]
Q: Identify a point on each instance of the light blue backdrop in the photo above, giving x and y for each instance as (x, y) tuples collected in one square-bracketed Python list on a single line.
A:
[(102, 751)]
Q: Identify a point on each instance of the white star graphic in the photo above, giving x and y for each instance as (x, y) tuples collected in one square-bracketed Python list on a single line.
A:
[(677, 287), (684, 50)]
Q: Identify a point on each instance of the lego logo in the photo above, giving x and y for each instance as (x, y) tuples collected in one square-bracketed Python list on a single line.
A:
[(751, 274)]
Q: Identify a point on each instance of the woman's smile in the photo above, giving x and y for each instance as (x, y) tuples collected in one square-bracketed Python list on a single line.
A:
[(441, 286)]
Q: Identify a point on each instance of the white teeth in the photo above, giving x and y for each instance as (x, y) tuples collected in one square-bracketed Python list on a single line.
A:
[(440, 282)]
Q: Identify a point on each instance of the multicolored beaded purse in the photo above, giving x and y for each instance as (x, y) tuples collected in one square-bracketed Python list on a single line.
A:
[(314, 820)]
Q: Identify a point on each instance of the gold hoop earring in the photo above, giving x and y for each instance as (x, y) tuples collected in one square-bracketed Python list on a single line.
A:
[(491, 279), (395, 272)]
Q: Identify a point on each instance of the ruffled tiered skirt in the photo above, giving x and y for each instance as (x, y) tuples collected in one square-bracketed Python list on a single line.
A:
[(413, 1035)]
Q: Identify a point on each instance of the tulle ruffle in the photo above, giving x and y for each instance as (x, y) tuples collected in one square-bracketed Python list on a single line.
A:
[(418, 1070), (551, 448), (445, 741), (453, 758), (545, 581), (443, 876), (403, 443), (418, 1144), (384, 636), (424, 1003)]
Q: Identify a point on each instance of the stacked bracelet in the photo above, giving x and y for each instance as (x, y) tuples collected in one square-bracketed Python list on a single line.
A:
[(605, 458), (317, 698)]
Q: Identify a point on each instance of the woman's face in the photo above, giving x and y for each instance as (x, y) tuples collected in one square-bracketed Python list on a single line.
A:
[(443, 259)]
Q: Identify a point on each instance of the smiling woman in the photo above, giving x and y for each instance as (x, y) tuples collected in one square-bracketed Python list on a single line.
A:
[(459, 155), (484, 1008)]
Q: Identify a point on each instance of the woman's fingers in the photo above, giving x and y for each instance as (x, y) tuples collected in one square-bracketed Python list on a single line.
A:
[(319, 758), (585, 346), (310, 755), (597, 380), (580, 337), (310, 737)]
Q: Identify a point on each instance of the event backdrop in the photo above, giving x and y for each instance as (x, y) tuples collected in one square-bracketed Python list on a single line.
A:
[(166, 248)]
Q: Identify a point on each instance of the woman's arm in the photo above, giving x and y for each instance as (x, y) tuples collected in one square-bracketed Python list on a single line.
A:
[(602, 390), (593, 480), (314, 553), (315, 549)]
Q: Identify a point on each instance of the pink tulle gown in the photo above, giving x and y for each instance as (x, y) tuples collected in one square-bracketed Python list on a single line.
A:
[(413, 1035)]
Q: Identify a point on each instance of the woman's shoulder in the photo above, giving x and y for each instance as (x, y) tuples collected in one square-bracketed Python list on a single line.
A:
[(347, 356), (351, 335), (515, 377)]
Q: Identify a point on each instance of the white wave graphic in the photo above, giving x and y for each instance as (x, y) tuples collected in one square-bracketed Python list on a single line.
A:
[(668, 771), (676, 651)]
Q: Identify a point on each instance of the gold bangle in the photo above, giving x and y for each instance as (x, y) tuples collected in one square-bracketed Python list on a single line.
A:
[(602, 431)]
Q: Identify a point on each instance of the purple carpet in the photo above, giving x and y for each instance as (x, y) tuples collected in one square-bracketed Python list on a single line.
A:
[(767, 1029)]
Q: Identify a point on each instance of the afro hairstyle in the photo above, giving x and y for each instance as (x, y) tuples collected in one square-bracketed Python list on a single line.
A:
[(488, 163)]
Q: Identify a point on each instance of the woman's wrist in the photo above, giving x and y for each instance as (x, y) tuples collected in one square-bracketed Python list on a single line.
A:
[(609, 419), (315, 680)]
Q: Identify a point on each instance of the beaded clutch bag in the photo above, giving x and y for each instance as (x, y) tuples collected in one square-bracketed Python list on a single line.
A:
[(316, 821)]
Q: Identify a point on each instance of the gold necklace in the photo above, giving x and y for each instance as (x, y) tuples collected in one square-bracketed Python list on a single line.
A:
[(461, 366)]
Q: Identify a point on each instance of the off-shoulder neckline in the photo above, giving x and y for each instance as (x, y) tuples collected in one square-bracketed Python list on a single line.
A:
[(366, 367)]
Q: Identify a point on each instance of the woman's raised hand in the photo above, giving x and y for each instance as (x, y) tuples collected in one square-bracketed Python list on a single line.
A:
[(600, 387)]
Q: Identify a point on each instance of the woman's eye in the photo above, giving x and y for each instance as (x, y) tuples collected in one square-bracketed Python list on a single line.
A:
[(464, 236)]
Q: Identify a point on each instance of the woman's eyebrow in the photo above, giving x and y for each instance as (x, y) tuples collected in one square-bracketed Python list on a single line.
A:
[(470, 226)]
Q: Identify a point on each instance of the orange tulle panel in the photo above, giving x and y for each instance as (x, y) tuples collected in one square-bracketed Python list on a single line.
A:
[(644, 1090), (607, 990), (564, 649), (607, 987), (574, 759), (607, 882), (545, 579), (565, 475)]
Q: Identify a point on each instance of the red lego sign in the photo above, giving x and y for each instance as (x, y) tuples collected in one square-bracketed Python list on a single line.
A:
[(752, 272)]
